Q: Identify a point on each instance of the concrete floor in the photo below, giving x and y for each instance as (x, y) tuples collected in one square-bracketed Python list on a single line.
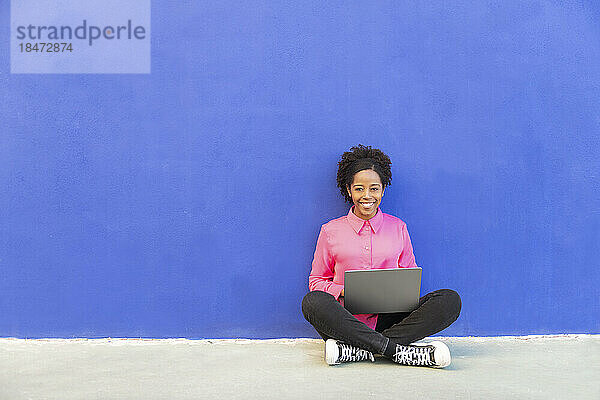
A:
[(563, 367)]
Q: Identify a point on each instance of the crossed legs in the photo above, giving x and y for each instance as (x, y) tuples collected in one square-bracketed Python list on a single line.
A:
[(436, 311)]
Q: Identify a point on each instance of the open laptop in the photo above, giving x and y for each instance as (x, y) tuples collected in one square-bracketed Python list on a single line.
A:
[(377, 291)]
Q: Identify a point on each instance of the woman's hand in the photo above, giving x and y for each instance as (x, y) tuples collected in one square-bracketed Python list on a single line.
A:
[(342, 293)]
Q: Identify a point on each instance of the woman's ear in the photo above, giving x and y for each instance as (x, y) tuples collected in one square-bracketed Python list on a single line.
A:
[(349, 193)]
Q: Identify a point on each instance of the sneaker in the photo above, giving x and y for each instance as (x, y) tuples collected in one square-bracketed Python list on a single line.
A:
[(434, 354), (337, 352)]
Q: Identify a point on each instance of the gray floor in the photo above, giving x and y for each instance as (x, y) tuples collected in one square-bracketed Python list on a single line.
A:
[(482, 368)]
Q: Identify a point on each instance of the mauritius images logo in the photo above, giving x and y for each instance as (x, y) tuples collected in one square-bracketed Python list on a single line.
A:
[(83, 36)]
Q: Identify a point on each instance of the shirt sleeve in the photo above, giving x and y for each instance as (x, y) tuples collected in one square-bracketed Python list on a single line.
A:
[(322, 273), (407, 258)]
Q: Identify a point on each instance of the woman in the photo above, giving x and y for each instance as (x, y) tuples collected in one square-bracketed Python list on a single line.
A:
[(367, 238)]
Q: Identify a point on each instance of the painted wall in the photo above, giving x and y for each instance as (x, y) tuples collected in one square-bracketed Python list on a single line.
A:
[(187, 202)]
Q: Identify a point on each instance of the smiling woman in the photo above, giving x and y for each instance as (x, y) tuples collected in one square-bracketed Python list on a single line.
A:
[(367, 238)]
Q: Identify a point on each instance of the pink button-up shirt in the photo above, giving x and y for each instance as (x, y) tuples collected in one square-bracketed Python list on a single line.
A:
[(348, 243)]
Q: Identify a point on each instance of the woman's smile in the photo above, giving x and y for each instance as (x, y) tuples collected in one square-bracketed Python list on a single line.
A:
[(367, 206)]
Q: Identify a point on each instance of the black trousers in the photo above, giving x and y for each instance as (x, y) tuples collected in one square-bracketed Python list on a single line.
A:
[(436, 311)]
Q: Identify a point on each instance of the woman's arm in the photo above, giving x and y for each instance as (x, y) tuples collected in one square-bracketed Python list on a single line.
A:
[(407, 258), (322, 273)]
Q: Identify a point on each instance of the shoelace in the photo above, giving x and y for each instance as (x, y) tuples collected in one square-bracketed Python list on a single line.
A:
[(414, 355), (352, 353)]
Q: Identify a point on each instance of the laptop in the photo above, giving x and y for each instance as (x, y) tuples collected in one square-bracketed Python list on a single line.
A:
[(376, 291)]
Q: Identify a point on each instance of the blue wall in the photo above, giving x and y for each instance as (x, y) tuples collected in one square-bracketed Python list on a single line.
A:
[(187, 202)]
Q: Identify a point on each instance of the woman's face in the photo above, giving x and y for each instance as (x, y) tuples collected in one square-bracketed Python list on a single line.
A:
[(366, 192)]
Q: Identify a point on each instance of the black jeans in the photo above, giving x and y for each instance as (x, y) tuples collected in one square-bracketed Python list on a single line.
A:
[(436, 311)]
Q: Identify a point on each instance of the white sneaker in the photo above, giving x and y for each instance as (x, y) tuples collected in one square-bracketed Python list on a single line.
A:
[(433, 354), (337, 352)]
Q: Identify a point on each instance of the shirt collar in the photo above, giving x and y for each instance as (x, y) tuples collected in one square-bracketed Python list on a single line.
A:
[(358, 223)]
